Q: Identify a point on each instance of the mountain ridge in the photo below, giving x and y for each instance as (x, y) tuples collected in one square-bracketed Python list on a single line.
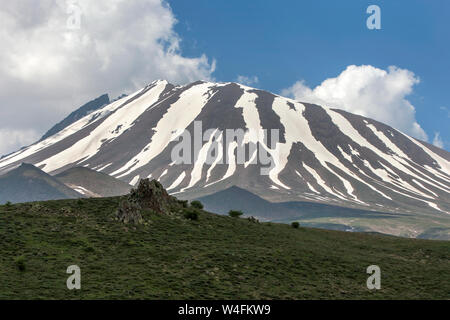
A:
[(92, 183), (327, 216), (323, 155), (76, 115), (27, 183)]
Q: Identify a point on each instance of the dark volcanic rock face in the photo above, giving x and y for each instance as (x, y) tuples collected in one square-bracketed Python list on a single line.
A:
[(321, 154), (129, 212), (149, 196)]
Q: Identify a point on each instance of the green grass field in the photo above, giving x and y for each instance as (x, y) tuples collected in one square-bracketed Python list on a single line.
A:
[(215, 257)]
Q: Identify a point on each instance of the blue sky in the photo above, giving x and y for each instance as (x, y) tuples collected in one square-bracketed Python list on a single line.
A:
[(284, 42)]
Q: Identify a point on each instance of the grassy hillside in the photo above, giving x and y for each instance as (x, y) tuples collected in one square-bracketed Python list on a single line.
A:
[(170, 257)]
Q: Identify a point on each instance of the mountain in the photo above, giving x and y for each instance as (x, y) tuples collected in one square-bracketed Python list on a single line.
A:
[(81, 112), (320, 215), (92, 183), (235, 198), (322, 155), (28, 183)]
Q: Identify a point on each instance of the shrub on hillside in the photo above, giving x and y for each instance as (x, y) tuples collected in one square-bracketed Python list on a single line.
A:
[(197, 204), (20, 263), (253, 219), (295, 225), (184, 203), (190, 214), (235, 213)]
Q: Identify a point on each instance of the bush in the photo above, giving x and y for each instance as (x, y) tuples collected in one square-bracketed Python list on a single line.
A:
[(20, 263), (253, 219), (295, 225), (235, 213), (184, 203), (8, 204), (197, 204), (190, 214)]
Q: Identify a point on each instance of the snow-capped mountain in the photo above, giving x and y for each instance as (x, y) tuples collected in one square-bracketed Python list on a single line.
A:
[(321, 155)]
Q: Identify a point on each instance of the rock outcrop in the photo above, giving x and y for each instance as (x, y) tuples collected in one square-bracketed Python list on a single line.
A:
[(149, 196)]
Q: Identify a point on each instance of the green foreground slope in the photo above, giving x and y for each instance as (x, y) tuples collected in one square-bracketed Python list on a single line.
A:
[(215, 257)]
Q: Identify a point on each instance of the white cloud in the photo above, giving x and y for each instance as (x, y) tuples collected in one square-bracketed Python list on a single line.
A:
[(437, 140), (367, 91), (12, 138), (48, 69), (248, 81)]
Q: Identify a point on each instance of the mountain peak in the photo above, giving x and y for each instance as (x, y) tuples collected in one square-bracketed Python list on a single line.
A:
[(317, 154), (76, 115), (28, 183)]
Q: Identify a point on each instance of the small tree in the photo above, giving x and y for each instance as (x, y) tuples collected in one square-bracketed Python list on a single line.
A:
[(8, 204), (235, 213), (197, 204), (190, 214), (295, 225)]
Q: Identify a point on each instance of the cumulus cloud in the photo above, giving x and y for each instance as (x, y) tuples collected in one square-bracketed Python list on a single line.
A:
[(50, 63), (248, 81), (11, 138), (437, 140), (367, 91)]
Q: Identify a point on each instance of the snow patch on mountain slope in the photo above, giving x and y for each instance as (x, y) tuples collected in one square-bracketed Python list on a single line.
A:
[(388, 143), (301, 132), (444, 164), (425, 188), (135, 180), (177, 181), (81, 190), (104, 167), (345, 155), (196, 173), (321, 182), (346, 128), (66, 132), (218, 158), (231, 161), (163, 174), (113, 126), (190, 104)]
